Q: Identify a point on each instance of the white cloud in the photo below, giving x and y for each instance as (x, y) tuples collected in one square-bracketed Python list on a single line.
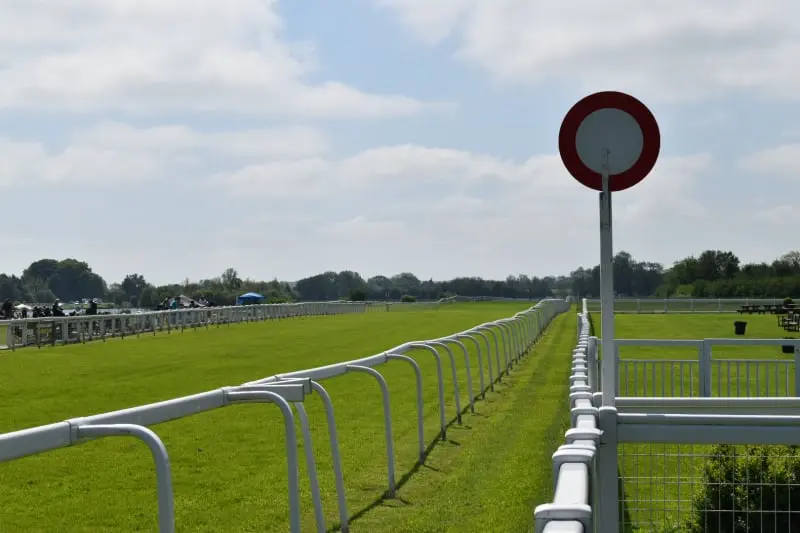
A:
[(151, 55), (30, 162), (391, 165), (292, 141), (530, 213), (361, 230), (780, 161), (114, 152), (660, 49)]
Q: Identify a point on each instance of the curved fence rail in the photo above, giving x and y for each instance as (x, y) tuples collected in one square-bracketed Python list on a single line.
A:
[(499, 344), (574, 463), (82, 328)]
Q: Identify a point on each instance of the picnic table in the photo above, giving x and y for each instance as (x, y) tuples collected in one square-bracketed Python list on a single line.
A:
[(754, 308), (791, 321), (761, 309)]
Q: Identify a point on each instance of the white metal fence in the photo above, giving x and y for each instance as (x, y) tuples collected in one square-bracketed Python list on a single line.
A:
[(706, 375), (675, 464), (681, 305), (499, 346), (82, 328), (575, 463)]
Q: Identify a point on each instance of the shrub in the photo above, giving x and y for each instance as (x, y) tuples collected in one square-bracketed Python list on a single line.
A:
[(750, 490), (408, 298), (357, 295), (787, 301)]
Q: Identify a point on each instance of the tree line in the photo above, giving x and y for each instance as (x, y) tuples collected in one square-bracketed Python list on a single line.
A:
[(711, 274)]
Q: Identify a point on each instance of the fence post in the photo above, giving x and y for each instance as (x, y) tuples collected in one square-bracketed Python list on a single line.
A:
[(591, 363), (619, 369), (796, 372), (705, 369), (607, 471)]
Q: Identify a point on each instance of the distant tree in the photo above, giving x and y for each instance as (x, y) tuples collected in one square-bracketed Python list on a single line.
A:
[(357, 295), (146, 299), (133, 285), (230, 279)]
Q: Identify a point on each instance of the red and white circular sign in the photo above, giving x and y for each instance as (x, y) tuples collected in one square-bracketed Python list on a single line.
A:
[(611, 127)]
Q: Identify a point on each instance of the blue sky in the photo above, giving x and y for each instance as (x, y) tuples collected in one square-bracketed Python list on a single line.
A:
[(286, 138)]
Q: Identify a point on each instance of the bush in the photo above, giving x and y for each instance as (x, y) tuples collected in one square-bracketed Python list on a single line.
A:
[(787, 301), (408, 298), (357, 295), (752, 490)]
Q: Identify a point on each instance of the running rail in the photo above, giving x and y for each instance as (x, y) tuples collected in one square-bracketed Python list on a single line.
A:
[(501, 343), (574, 462)]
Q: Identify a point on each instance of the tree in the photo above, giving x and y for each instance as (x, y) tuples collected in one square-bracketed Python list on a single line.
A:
[(146, 298), (43, 269), (357, 295), (74, 280), (133, 285), (230, 279)]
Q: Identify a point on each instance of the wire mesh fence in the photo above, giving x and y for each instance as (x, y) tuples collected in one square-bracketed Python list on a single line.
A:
[(688, 488)]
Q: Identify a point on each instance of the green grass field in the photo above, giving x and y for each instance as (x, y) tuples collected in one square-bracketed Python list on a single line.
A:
[(676, 379), (657, 477), (228, 465)]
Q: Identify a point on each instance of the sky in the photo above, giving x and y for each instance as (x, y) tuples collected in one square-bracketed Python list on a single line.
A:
[(176, 139)]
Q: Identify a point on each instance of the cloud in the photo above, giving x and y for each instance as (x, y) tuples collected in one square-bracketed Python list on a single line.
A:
[(395, 166), (30, 162), (111, 152), (776, 162), (673, 50), (148, 56), (292, 141), (432, 210)]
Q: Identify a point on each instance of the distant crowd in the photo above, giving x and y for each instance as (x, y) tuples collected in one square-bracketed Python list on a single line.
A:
[(8, 311), (184, 302)]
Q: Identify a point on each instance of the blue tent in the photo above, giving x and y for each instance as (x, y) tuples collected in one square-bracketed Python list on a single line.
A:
[(249, 298)]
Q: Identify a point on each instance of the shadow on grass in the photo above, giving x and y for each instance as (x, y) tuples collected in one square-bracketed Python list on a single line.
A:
[(498, 387), (385, 498), (626, 525)]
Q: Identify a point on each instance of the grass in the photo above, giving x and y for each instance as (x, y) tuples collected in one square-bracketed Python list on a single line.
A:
[(643, 375), (229, 466), (660, 479)]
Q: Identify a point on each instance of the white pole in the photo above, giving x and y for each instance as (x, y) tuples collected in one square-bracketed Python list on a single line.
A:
[(608, 460), (609, 377)]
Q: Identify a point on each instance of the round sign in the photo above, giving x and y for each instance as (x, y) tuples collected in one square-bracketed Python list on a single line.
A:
[(609, 128)]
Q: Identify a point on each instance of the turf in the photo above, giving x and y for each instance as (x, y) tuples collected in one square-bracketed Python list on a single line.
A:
[(229, 466), (655, 371), (657, 477)]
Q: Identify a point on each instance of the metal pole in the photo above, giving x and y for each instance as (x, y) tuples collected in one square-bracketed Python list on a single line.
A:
[(607, 458), (609, 377)]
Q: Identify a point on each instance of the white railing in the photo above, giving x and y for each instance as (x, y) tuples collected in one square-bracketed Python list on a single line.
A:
[(634, 444), (502, 342), (574, 463), (706, 376), (492, 299), (82, 328), (682, 305)]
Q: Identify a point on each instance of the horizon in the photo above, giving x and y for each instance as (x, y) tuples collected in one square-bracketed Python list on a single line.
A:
[(385, 135), (665, 268)]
